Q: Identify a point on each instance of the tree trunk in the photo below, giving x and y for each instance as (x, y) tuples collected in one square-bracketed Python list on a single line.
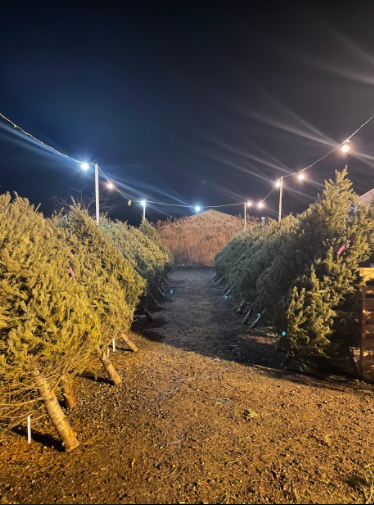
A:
[(248, 315), (148, 314), (287, 360), (160, 292), (111, 371), (130, 343), (68, 393), (155, 302), (68, 436), (241, 307)]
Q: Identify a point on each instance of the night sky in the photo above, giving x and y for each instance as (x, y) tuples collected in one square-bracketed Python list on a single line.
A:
[(186, 102)]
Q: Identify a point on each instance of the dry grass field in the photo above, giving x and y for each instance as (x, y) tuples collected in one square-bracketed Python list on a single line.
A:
[(197, 239)]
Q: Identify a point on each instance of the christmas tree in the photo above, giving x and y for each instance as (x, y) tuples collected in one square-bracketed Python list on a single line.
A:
[(111, 282), (47, 328)]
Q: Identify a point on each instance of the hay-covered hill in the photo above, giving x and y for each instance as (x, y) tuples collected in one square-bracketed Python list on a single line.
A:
[(197, 239)]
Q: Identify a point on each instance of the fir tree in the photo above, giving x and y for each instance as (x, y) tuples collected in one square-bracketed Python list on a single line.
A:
[(111, 282), (47, 327)]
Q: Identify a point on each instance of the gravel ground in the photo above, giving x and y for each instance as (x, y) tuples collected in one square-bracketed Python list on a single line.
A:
[(204, 415)]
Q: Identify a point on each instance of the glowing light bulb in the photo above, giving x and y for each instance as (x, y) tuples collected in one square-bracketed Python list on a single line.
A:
[(197, 208), (110, 185), (301, 176), (260, 205), (143, 203), (278, 183), (85, 166), (249, 204), (345, 148)]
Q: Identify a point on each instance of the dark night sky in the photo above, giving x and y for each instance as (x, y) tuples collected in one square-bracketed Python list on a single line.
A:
[(186, 102)]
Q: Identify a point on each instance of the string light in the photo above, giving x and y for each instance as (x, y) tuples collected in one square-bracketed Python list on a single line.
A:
[(344, 146), (249, 204)]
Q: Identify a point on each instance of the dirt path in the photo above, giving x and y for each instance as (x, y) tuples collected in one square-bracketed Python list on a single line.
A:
[(204, 416)]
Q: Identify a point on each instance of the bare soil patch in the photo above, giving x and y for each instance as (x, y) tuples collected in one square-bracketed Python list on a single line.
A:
[(205, 415)]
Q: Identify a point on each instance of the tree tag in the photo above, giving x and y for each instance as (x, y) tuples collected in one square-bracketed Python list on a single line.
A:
[(341, 249), (71, 272)]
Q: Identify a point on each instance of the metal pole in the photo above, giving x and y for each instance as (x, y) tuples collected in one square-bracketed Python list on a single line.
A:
[(245, 215), (280, 199), (97, 193), (144, 211)]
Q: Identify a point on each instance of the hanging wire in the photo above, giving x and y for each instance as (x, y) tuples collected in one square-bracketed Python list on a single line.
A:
[(40, 141), (175, 204)]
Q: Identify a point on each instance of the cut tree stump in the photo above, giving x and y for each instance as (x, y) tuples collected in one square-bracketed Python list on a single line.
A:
[(154, 300), (257, 320), (148, 314), (68, 393), (287, 360), (111, 371), (130, 343), (248, 315), (62, 425), (239, 310), (160, 292)]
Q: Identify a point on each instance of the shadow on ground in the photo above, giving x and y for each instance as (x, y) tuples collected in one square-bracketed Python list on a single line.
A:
[(197, 318)]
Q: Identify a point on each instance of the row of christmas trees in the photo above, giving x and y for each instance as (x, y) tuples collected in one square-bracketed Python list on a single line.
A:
[(67, 288), (304, 271)]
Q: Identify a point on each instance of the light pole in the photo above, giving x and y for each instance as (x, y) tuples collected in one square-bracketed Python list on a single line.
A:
[(144, 203), (97, 193), (246, 204), (85, 166), (280, 185)]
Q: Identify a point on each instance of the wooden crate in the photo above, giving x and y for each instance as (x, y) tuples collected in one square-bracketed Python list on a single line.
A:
[(367, 324)]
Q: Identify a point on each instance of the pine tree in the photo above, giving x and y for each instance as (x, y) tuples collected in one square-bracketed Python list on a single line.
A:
[(47, 327), (144, 254), (305, 270), (111, 282), (333, 245)]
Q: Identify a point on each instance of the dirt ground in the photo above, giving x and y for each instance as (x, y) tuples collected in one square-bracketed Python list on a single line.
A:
[(204, 415)]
